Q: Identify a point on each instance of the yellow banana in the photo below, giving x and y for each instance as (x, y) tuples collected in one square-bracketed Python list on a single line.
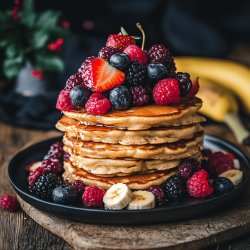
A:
[(231, 75)]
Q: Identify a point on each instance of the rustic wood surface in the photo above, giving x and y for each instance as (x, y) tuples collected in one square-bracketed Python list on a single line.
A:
[(18, 231)]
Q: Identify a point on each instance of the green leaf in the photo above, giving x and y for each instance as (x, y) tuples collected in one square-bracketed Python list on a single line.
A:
[(47, 20), (3, 42), (59, 32), (28, 6), (13, 50), (11, 67), (28, 16), (39, 39), (49, 62)]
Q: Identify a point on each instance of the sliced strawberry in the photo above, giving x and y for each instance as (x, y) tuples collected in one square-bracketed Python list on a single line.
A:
[(195, 88), (120, 42), (105, 77)]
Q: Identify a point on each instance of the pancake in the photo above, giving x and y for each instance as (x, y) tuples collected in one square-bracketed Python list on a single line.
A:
[(128, 137), (170, 151), (141, 181), (143, 117), (112, 167)]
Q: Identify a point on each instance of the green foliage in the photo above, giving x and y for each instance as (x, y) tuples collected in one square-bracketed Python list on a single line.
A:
[(27, 40)]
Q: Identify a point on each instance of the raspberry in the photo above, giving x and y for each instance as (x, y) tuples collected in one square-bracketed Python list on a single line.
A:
[(45, 185), (219, 163), (9, 203), (33, 176), (158, 193), (136, 74), (93, 196), (185, 82), (158, 53), (73, 81), (198, 186), (139, 96), (86, 71), (85, 63), (97, 104), (173, 188), (136, 53), (231, 156), (187, 168), (52, 165), (106, 52), (78, 186), (166, 92), (194, 89), (63, 101), (56, 151)]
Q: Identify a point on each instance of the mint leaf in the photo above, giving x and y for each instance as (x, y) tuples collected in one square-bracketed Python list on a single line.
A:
[(47, 20), (11, 67), (39, 39), (48, 62)]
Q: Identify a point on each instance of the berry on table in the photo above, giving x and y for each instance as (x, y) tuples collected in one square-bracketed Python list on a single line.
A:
[(9, 203), (185, 82), (45, 185), (64, 102), (79, 95), (222, 185), (140, 96), (136, 74), (156, 72), (187, 168), (120, 61), (199, 186), (97, 104), (120, 98), (158, 192), (74, 81), (136, 53), (173, 188), (119, 42), (93, 196), (64, 194), (52, 165), (166, 92), (78, 186), (106, 52), (219, 162)]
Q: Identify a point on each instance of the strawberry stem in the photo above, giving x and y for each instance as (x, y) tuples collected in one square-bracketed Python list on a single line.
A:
[(138, 25)]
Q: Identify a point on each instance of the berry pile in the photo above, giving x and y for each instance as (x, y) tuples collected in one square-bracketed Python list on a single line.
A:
[(121, 75)]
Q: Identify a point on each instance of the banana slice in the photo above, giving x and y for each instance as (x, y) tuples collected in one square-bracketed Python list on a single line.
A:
[(235, 175), (142, 200), (117, 197), (236, 163), (33, 166)]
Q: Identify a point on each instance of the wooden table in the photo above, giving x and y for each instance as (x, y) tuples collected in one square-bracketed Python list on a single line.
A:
[(18, 231)]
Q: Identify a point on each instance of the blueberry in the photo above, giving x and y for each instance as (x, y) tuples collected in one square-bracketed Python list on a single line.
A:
[(156, 71), (79, 95), (120, 61), (120, 98), (64, 194), (222, 185)]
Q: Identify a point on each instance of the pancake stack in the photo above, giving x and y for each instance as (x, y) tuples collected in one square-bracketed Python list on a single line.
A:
[(140, 146)]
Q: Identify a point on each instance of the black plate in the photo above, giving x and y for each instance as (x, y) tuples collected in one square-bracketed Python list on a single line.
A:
[(186, 208)]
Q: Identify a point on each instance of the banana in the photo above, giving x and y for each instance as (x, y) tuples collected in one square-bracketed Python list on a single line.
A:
[(235, 175), (142, 200), (34, 165), (117, 197), (236, 163), (231, 75)]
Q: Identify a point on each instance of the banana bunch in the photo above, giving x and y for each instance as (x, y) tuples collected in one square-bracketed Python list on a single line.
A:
[(220, 81)]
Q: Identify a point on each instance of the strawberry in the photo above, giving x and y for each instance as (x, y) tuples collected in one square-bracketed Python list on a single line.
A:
[(194, 89), (119, 42), (104, 76), (136, 53)]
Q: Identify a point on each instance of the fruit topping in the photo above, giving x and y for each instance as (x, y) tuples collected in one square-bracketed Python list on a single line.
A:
[(97, 104), (156, 72), (142, 199), (136, 74), (8, 203), (140, 96), (79, 95), (55, 151), (93, 196), (199, 186), (64, 102), (158, 192), (120, 98), (187, 168), (120, 61), (119, 41), (78, 186), (166, 92), (185, 83), (234, 175), (106, 52), (74, 81), (173, 188), (136, 53), (195, 88), (64, 194), (31, 167), (222, 185), (52, 165), (34, 175)]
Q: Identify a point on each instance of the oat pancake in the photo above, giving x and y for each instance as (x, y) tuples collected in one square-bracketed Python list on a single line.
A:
[(167, 151), (144, 117), (129, 137), (141, 181)]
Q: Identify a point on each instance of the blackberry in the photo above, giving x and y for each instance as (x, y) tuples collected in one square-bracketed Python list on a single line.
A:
[(73, 81), (140, 96), (79, 95), (158, 53), (106, 52), (173, 188), (187, 168), (185, 82), (136, 74), (120, 61), (78, 186), (45, 185), (158, 193), (120, 98), (64, 194)]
